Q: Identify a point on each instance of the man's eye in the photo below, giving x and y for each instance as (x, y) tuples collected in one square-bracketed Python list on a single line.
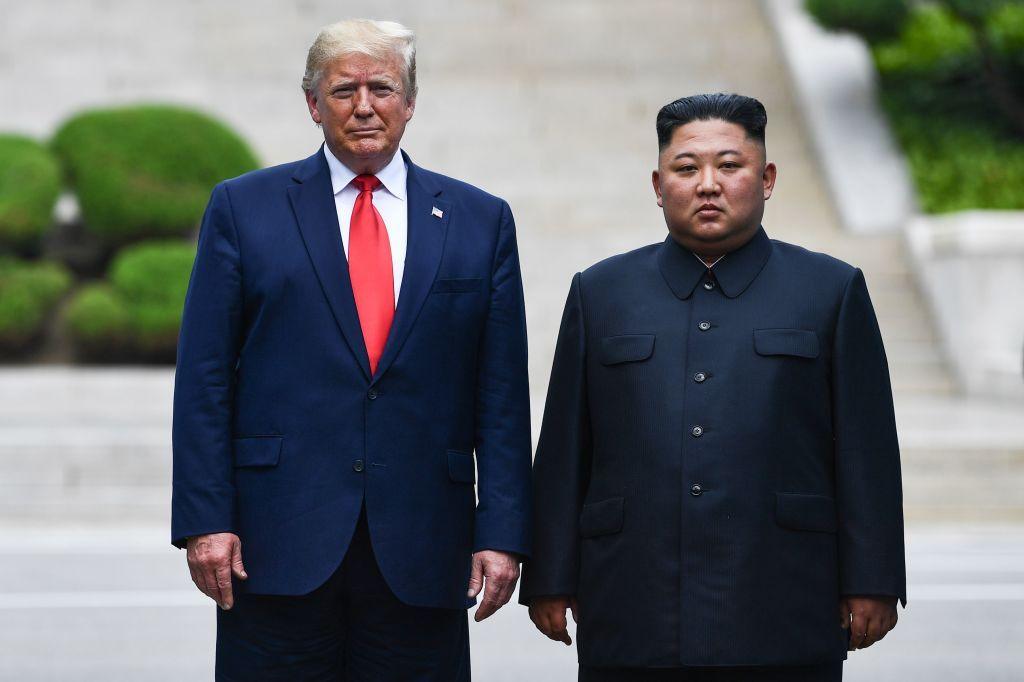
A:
[(383, 90), (687, 169), (343, 92), (730, 164)]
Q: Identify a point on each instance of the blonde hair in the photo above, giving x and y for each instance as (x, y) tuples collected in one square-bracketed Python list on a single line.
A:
[(377, 39)]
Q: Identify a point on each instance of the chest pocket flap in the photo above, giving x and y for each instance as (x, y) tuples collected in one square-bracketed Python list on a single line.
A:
[(626, 348), (802, 343)]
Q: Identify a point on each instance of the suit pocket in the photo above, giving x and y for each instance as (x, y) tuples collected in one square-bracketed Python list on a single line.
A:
[(626, 348), (461, 467), (457, 285), (602, 518), (802, 343), (257, 451), (803, 511)]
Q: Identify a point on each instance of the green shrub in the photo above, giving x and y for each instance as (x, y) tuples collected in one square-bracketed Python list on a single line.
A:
[(934, 41), (137, 313), (147, 171), (875, 20), (29, 186), (28, 293)]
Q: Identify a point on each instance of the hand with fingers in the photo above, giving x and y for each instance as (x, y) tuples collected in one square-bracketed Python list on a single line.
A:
[(868, 618), (496, 573), (212, 560), (548, 614)]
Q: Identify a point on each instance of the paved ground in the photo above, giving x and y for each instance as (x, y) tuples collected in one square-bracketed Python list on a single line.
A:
[(117, 604)]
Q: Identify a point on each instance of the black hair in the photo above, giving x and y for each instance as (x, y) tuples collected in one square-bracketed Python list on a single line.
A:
[(745, 112)]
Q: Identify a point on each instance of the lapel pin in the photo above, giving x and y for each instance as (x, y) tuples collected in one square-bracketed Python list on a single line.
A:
[(436, 212)]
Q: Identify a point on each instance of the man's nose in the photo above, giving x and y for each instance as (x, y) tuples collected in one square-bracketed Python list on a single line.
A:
[(708, 182), (362, 102)]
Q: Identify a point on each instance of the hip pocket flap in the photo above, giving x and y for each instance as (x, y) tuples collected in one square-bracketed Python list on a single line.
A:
[(602, 518), (626, 348), (257, 451), (461, 468), (801, 511), (456, 285), (802, 343)]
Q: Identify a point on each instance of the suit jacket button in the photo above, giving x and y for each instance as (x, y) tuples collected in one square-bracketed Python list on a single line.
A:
[(696, 490), (699, 377), (357, 465), (709, 285), (697, 431), (704, 325), (372, 394)]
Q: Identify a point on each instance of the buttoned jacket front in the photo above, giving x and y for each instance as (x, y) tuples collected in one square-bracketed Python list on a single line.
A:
[(718, 461)]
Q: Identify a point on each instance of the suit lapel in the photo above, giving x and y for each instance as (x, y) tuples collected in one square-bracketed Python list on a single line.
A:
[(423, 256), (312, 199)]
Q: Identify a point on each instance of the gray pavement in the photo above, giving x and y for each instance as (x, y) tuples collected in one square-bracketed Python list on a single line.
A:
[(86, 604)]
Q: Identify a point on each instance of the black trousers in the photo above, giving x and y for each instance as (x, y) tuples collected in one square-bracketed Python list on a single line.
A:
[(352, 628), (828, 672)]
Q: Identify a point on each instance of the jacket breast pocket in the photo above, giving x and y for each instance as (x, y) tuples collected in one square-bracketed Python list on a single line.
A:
[(615, 350), (457, 285), (257, 451), (801, 343), (804, 511), (602, 518)]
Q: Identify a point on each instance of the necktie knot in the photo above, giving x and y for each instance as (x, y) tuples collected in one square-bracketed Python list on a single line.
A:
[(366, 183)]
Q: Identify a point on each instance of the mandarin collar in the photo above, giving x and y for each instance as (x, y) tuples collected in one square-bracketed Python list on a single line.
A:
[(683, 271)]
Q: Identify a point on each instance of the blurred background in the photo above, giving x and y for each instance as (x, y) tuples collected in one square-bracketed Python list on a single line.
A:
[(898, 130)]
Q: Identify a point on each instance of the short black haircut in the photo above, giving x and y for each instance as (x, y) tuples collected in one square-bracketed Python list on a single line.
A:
[(745, 112)]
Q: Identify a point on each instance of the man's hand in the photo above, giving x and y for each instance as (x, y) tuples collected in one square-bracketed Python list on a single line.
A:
[(869, 618), (211, 561), (548, 614), (501, 570)]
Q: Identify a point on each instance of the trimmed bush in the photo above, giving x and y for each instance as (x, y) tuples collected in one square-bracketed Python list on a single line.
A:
[(28, 294), (136, 315), (29, 186), (952, 84), (147, 171), (874, 20)]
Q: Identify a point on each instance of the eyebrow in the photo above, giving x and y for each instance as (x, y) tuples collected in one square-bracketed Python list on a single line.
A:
[(374, 80), (721, 153)]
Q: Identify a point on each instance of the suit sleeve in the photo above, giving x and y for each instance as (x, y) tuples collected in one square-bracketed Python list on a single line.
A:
[(561, 468), (203, 494), (869, 491), (502, 408)]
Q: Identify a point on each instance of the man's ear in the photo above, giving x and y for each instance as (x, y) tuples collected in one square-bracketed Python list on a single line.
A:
[(768, 179), (656, 181), (311, 103)]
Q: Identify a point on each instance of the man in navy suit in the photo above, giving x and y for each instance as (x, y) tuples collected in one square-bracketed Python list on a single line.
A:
[(352, 353), (717, 484)]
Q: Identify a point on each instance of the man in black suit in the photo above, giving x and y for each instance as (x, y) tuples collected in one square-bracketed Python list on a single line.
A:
[(717, 485)]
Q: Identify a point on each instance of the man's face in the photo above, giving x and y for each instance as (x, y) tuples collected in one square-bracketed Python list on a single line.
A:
[(363, 107), (712, 182)]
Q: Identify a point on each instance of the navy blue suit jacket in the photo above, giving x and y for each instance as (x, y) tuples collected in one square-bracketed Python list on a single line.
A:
[(280, 432), (718, 461)]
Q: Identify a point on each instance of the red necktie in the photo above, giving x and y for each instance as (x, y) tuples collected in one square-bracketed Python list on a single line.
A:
[(369, 267)]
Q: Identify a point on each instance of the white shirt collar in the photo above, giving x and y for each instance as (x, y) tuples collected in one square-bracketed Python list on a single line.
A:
[(694, 255), (392, 176)]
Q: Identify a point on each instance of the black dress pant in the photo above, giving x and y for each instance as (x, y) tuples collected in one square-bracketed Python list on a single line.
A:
[(828, 672), (352, 628)]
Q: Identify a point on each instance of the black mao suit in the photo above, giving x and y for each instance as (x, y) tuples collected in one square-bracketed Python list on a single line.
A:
[(718, 461)]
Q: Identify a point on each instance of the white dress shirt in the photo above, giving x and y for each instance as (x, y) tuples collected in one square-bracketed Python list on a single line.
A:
[(389, 199)]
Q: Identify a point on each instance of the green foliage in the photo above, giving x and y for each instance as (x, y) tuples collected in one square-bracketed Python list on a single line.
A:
[(137, 314), (934, 41), (146, 171), (28, 293), (29, 186), (874, 20), (956, 163)]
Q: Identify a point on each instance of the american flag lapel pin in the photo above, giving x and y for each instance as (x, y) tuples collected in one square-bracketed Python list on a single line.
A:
[(436, 212)]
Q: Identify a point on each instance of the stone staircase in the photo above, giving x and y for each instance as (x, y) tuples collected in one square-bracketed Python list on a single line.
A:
[(550, 105)]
